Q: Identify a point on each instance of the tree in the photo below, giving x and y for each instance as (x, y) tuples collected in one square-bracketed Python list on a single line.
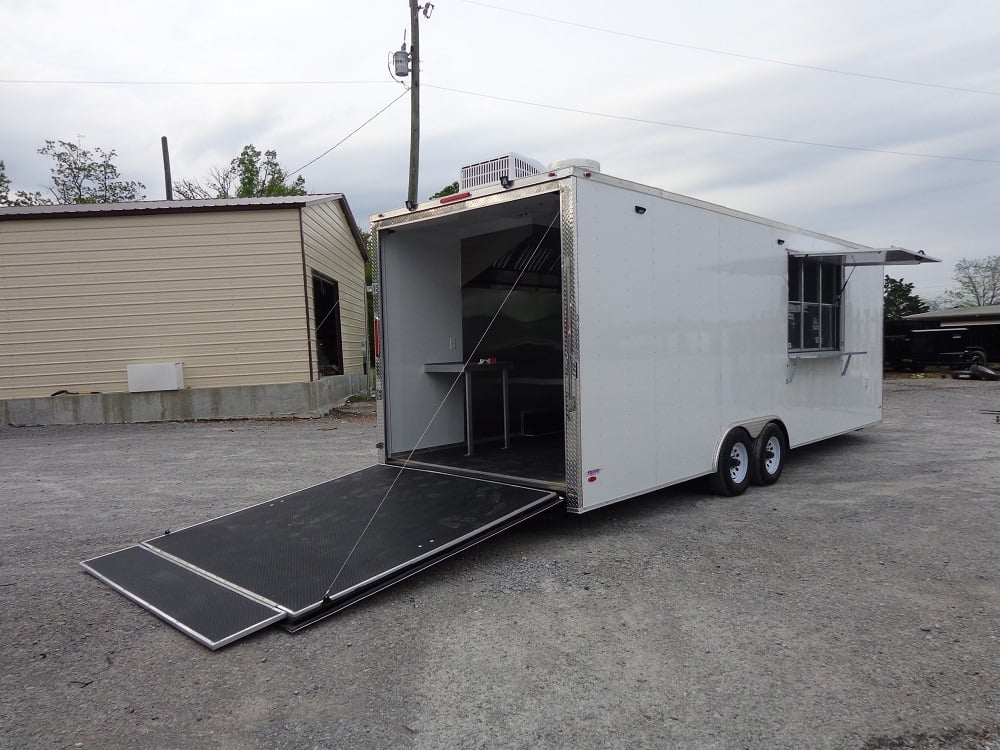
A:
[(900, 300), (978, 282), (446, 190), (220, 183), (4, 183), (84, 176), (21, 197), (247, 176)]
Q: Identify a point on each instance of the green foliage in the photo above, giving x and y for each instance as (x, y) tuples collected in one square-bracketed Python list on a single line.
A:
[(446, 190), (19, 198), (899, 300), (247, 176), (263, 178), (978, 283), (84, 176)]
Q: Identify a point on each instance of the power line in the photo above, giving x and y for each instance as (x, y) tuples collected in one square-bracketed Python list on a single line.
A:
[(771, 61), (776, 139), (313, 161), (67, 82)]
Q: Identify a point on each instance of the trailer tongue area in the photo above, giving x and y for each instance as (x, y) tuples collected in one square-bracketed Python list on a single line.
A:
[(302, 557)]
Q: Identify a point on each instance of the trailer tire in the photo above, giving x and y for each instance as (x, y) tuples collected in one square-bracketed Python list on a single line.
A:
[(977, 357), (732, 473), (768, 457)]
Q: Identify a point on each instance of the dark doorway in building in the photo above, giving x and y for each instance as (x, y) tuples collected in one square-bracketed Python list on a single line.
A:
[(326, 313)]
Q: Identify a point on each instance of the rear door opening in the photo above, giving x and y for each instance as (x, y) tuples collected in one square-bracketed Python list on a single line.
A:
[(473, 365)]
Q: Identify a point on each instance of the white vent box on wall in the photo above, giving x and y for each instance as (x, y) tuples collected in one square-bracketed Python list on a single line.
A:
[(161, 376)]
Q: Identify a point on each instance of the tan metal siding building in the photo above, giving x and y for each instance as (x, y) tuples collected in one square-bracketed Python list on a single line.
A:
[(226, 287)]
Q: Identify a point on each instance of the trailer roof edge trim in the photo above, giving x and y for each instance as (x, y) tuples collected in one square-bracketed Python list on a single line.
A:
[(548, 181), (885, 256)]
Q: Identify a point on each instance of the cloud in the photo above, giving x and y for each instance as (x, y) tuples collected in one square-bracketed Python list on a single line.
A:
[(870, 197)]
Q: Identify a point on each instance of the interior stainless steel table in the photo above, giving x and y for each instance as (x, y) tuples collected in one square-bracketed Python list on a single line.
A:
[(456, 368)]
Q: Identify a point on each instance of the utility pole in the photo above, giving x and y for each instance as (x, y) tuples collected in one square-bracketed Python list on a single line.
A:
[(406, 64), (411, 193), (166, 168)]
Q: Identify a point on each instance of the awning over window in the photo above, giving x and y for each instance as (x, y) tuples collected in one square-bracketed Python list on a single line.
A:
[(886, 256)]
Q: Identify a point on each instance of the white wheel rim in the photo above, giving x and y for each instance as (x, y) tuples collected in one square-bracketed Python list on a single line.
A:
[(772, 449), (738, 463)]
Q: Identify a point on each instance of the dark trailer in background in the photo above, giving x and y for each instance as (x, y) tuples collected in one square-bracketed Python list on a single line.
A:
[(916, 349)]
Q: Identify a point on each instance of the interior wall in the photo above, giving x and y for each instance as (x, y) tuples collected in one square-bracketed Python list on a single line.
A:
[(527, 333), (512, 311), (422, 323)]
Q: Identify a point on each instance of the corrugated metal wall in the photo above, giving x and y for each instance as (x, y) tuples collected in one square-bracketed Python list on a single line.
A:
[(81, 298), (330, 248)]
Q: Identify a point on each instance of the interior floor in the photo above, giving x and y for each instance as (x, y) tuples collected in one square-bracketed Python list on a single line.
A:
[(538, 461)]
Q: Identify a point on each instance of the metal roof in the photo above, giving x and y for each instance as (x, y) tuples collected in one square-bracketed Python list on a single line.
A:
[(982, 312), (208, 204), (140, 208)]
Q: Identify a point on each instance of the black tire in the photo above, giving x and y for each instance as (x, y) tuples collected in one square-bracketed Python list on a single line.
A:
[(732, 475), (768, 457), (981, 372), (977, 357)]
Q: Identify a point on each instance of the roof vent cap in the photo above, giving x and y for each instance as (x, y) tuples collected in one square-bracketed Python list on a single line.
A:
[(590, 164)]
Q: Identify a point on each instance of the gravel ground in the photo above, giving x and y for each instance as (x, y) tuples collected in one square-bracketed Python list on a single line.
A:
[(855, 604)]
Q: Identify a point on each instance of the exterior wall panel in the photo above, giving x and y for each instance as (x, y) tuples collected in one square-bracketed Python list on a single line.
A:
[(83, 297), (331, 249)]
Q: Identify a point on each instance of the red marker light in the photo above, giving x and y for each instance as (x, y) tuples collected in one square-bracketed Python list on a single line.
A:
[(378, 340)]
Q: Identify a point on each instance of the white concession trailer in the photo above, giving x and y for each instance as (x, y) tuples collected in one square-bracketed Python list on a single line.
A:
[(544, 336), (643, 338)]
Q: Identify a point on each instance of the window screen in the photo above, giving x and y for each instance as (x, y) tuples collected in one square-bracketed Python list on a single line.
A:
[(813, 304)]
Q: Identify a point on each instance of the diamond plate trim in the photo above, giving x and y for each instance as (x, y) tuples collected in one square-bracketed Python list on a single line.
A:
[(373, 254), (571, 342), (425, 214)]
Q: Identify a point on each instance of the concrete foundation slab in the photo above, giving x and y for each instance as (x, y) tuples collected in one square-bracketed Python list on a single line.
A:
[(312, 399)]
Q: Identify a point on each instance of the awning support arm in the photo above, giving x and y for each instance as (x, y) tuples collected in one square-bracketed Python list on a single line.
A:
[(796, 356)]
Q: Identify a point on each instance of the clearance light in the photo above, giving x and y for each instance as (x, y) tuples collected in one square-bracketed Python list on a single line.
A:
[(456, 197)]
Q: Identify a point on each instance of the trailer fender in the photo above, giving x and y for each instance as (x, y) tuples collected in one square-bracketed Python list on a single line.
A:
[(752, 426)]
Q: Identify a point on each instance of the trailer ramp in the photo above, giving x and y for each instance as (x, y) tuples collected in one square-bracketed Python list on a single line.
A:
[(304, 556)]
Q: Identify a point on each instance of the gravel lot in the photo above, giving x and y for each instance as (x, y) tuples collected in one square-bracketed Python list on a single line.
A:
[(855, 604)]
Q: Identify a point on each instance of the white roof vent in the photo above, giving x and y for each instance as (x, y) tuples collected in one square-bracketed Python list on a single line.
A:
[(591, 164), (498, 170)]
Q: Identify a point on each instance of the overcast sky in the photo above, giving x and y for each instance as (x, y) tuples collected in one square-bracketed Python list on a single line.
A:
[(896, 141)]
